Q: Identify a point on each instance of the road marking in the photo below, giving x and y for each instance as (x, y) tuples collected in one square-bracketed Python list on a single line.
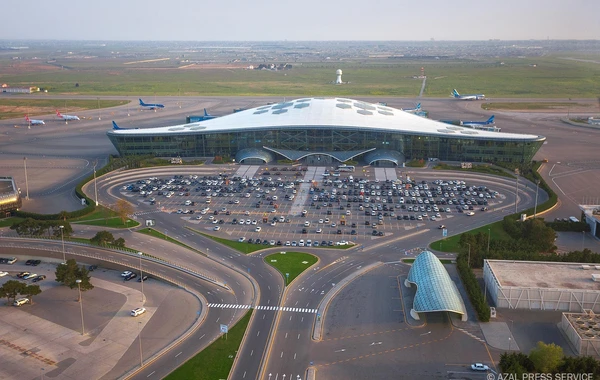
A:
[(251, 352), (201, 336), (178, 354), (258, 333), (281, 354), (151, 373)]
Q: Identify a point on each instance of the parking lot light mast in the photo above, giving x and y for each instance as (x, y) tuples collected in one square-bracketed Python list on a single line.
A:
[(78, 281), (26, 183), (62, 238), (140, 340), (141, 275), (537, 186), (95, 183)]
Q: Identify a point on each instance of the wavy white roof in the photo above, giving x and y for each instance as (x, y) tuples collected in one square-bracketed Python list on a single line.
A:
[(327, 112)]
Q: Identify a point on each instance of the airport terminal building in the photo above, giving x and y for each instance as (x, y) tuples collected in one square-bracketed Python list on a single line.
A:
[(325, 131)]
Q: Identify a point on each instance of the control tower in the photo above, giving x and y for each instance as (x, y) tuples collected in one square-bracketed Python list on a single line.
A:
[(338, 78)]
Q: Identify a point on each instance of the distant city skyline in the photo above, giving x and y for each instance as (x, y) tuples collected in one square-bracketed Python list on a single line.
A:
[(307, 20)]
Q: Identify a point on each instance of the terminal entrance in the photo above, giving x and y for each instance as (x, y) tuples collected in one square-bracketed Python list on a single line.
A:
[(318, 160)]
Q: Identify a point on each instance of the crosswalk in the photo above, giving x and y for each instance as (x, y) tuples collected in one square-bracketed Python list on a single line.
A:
[(266, 308)]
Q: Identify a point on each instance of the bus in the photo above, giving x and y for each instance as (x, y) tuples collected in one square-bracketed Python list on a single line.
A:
[(346, 168)]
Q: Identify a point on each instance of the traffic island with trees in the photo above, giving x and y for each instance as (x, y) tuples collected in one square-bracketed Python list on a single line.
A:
[(13, 288)]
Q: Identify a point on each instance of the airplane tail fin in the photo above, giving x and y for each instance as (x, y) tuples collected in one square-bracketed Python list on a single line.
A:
[(58, 113), (27, 118), (491, 119), (418, 107), (205, 113), (115, 126), (455, 93), (141, 102)]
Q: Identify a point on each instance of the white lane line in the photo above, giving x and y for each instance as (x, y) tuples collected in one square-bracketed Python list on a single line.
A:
[(201, 336), (151, 373), (180, 352)]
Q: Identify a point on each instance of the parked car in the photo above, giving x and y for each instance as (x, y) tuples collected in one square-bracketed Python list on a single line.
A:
[(126, 273), (20, 301), (39, 278), (138, 311), (2, 274), (92, 267), (130, 276), (479, 367), (143, 278)]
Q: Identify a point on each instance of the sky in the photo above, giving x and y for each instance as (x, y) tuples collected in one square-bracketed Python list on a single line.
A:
[(299, 20)]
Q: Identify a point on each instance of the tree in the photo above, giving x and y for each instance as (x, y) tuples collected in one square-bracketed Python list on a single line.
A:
[(103, 238), (123, 209), (31, 290), (515, 362), (546, 357), (63, 215), (68, 274), (120, 242), (11, 289)]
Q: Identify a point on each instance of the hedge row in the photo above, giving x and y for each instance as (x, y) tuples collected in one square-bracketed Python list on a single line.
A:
[(113, 164), (569, 226), (473, 289)]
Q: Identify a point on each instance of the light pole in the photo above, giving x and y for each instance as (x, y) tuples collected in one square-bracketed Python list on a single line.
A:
[(141, 275), (469, 257), (509, 342), (489, 236), (78, 281), (95, 183), (517, 194), (537, 186), (26, 183), (140, 339), (99, 116), (62, 238)]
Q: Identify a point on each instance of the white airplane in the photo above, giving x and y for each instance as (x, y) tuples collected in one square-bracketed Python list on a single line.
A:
[(456, 95), (34, 122), (66, 117)]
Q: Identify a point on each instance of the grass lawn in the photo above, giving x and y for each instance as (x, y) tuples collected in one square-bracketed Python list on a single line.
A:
[(443, 261), (215, 361), (11, 108), (7, 222), (104, 216), (532, 105), (485, 169), (451, 244), (293, 263), (160, 235)]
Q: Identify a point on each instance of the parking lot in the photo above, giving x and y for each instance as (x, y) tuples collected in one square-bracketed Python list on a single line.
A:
[(311, 206)]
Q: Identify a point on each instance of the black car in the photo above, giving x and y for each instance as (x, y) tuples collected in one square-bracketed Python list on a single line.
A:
[(35, 263), (304, 231), (323, 242), (92, 267), (23, 274), (29, 262), (144, 278), (39, 278), (339, 232), (353, 232), (130, 276), (374, 233)]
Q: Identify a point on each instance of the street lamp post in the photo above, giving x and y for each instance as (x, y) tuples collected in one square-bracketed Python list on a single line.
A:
[(537, 186), (26, 183), (78, 281), (140, 339), (95, 184), (62, 238), (141, 275), (469, 257)]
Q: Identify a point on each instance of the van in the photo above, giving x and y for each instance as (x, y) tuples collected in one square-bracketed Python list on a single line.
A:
[(20, 301), (573, 219)]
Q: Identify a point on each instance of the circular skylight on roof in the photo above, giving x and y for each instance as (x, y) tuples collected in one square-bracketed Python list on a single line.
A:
[(343, 106), (277, 112), (177, 129), (364, 106), (282, 105), (302, 105), (364, 112), (386, 113), (344, 100), (261, 111), (263, 108)]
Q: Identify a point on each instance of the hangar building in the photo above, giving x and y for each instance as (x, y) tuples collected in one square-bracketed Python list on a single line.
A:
[(10, 199), (542, 285), (324, 131)]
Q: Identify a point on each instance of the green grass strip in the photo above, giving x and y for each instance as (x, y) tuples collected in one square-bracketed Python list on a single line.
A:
[(216, 360), (160, 235), (451, 244), (7, 222), (291, 264), (242, 247), (63, 105)]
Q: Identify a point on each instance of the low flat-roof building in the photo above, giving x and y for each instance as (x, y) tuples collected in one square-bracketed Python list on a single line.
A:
[(592, 217), (583, 331), (542, 285), (10, 199), (435, 289)]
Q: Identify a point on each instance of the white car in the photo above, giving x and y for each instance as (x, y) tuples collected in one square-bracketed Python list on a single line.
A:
[(217, 228), (470, 213), (320, 221), (319, 230), (2, 274), (479, 367), (242, 221), (242, 239), (257, 229), (287, 243), (254, 222), (126, 273), (138, 311)]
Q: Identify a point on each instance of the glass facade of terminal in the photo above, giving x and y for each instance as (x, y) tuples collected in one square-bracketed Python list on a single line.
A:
[(326, 139)]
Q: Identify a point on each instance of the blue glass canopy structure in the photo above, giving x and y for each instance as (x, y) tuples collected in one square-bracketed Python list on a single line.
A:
[(435, 289)]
